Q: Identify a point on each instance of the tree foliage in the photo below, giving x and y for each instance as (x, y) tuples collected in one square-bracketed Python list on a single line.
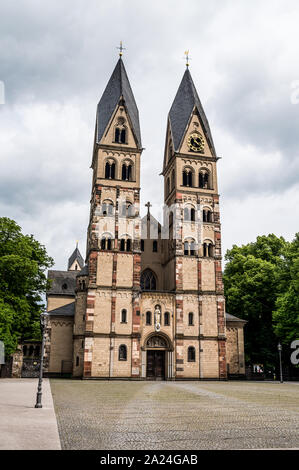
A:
[(261, 286), (23, 262), (286, 314)]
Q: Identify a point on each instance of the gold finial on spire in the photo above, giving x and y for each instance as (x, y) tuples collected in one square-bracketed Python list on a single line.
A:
[(187, 58), (77, 241), (121, 48)]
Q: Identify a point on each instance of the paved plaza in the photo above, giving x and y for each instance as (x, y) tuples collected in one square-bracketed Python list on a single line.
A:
[(23, 427), (176, 415)]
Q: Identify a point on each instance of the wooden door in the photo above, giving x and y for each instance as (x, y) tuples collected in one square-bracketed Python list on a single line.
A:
[(155, 364)]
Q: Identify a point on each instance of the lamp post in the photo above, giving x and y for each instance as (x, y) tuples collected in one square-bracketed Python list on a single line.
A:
[(43, 324), (279, 347)]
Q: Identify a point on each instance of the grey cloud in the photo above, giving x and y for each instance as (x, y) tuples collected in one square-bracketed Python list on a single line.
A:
[(56, 58)]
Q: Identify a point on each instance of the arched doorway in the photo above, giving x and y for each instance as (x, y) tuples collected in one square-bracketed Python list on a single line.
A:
[(158, 357)]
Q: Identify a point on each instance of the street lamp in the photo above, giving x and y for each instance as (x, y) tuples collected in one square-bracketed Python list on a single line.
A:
[(279, 347), (43, 324)]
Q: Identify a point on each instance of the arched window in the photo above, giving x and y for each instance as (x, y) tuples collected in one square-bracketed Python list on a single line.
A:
[(110, 170), (155, 246), (125, 244), (166, 319), (30, 350), (127, 210), (204, 179), (189, 248), (148, 280), (142, 245), (207, 215), (106, 242), (122, 352), (148, 318), (107, 208), (25, 350), (77, 361), (190, 318), (208, 250), (120, 135), (187, 177), (191, 354), (126, 172), (189, 214), (124, 316)]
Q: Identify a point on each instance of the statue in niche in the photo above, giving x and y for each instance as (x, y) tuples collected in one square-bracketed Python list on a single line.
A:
[(157, 318)]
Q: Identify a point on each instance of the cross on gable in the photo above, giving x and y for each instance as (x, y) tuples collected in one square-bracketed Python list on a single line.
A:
[(148, 205)]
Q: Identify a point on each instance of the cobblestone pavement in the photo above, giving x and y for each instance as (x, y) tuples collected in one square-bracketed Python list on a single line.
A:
[(176, 415)]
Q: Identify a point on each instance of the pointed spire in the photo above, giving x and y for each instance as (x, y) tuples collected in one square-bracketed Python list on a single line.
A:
[(75, 256), (181, 110), (118, 88)]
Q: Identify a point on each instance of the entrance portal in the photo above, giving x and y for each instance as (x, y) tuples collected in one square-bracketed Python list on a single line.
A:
[(155, 365)]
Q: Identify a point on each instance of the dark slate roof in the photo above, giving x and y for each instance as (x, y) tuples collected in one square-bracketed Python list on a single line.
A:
[(83, 272), (230, 317), (118, 87), (75, 255), (179, 115), (65, 311), (63, 282)]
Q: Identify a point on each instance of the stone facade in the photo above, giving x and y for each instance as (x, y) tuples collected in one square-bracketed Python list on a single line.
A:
[(149, 302)]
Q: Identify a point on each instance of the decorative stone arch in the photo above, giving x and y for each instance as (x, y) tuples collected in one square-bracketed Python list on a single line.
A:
[(153, 339), (161, 343)]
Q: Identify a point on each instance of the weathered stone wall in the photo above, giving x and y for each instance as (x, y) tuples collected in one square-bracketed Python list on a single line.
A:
[(61, 342)]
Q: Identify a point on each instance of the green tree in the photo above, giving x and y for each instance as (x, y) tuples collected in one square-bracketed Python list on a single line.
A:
[(286, 314), (251, 283), (23, 281)]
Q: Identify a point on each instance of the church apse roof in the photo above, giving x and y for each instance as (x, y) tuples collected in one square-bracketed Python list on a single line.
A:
[(117, 88), (180, 112)]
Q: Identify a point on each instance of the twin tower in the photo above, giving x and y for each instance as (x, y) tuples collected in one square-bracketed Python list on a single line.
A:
[(149, 302)]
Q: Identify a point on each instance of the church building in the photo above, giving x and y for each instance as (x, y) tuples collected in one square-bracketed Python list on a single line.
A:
[(147, 302)]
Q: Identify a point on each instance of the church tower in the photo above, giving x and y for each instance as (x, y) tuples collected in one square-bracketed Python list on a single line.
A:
[(193, 261), (112, 316), (148, 304)]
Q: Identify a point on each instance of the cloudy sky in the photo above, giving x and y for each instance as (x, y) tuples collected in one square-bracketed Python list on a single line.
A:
[(55, 60)]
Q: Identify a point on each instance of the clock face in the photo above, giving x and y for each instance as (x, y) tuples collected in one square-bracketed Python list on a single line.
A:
[(195, 142)]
